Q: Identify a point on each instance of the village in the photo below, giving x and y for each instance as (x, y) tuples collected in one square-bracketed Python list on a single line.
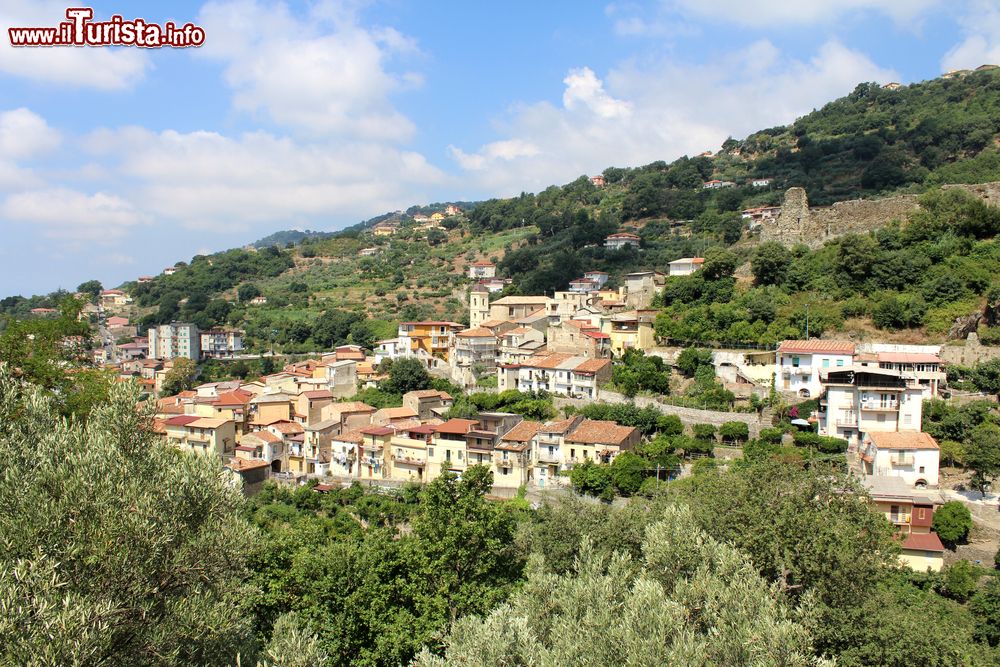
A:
[(299, 422)]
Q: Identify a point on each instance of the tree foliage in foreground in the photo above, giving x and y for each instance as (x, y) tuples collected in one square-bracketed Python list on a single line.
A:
[(114, 549), (689, 600)]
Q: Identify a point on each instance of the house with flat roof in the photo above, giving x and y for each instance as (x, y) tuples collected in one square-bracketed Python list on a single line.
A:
[(800, 362)]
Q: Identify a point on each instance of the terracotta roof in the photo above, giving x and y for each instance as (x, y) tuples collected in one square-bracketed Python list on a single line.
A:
[(493, 323), (245, 448), (238, 397), (287, 427), (600, 432), (351, 406), (209, 422), (622, 235), (596, 334), (592, 366), (318, 393), (903, 440), (456, 426), (686, 260), (478, 332), (181, 420), (908, 358), (560, 426), (429, 393), (434, 323), (376, 430), (265, 436), (239, 465), (522, 432), (399, 413), (550, 361), (354, 436), (482, 264), (521, 301), (923, 542), (817, 346)]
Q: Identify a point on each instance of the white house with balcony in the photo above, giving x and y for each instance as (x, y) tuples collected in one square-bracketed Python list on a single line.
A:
[(913, 457), (562, 374), (800, 363), (861, 400)]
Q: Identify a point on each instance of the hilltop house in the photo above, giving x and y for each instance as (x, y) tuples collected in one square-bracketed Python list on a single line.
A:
[(911, 456), (482, 270), (562, 374), (685, 266), (621, 240)]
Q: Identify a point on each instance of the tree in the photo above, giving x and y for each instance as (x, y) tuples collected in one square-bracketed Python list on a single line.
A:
[(117, 549), (952, 522), (92, 288), (436, 237), (466, 543), (688, 600), (362, 334), (593, 479), (406, 375), (691, 359), (627, 472), (982, 455), (770, 263), (986, 376), (180, 377), (333, 327), (247, 291), (958, 580), (734, 432), (985, 607), (719, 263)]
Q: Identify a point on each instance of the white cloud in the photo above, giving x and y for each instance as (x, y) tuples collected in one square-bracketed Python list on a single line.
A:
[(325, 73), (67, 214), (23, 135), (583, 88), (101, 68), (981, 44), (642, 113), (259, 181)]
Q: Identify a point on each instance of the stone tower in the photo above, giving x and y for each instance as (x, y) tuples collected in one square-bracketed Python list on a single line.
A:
[(479, 305)]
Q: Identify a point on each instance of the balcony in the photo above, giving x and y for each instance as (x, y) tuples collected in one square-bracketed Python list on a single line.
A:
[(849, 420), (544, 456), (902, 460), (878, 406), (410, 460), (899, 519), (502, 462)]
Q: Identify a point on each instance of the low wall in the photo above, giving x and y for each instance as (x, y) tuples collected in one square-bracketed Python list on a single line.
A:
[(687, 415)]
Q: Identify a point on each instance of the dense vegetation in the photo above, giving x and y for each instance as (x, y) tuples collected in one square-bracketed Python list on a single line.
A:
[(119, 550)]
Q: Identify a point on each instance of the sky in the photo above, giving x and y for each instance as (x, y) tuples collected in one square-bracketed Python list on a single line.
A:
[(116, 162)]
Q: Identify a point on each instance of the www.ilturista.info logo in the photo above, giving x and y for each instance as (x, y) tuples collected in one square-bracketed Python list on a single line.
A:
[(80, 30)]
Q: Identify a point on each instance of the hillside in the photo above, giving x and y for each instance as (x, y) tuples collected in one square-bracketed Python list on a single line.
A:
[(911, 285)]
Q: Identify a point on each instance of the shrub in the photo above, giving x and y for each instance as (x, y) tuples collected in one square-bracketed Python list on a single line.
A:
[(704, 432), (734, 432), (952, 522)]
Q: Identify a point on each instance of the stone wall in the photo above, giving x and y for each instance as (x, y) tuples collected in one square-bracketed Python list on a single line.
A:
[(689, 416), (797, 223), (969, 353)]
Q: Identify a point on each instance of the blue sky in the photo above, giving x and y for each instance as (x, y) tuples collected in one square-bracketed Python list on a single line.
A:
[(117, 162)]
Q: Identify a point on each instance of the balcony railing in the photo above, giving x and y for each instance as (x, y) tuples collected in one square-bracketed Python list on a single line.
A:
[(878, 406), (502, 462), (545, 457), (851, 420), (410, 460), (899, 518), (902, 460)]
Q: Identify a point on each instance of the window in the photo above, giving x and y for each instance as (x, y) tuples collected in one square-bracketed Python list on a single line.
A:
[(795, 362), (430, 452), (460, 455), (922, 512), (921, 470), (826, 363), (572, 453), (907, 419), (447, 455), (881, 418), (840, 362)]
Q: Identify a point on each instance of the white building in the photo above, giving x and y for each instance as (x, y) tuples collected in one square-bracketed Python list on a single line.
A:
[(177, 339), (913, 457), (925, 368), (562, 374), (861, 400), (392, 348), (685, 266), (219, 343), (760, 182), (621, 240), (599, 277), (482, 270), (800, 362)]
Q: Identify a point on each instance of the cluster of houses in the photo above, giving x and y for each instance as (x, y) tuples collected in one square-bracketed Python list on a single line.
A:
[(295, 423), (421, 222), (715, 184)]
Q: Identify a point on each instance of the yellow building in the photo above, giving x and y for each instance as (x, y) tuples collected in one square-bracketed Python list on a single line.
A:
[(407, 453), (269, 408), (202, 435), (429, 338), (631, 330)]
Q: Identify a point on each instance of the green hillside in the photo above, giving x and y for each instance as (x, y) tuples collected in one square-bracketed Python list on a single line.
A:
[(913, 283)]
